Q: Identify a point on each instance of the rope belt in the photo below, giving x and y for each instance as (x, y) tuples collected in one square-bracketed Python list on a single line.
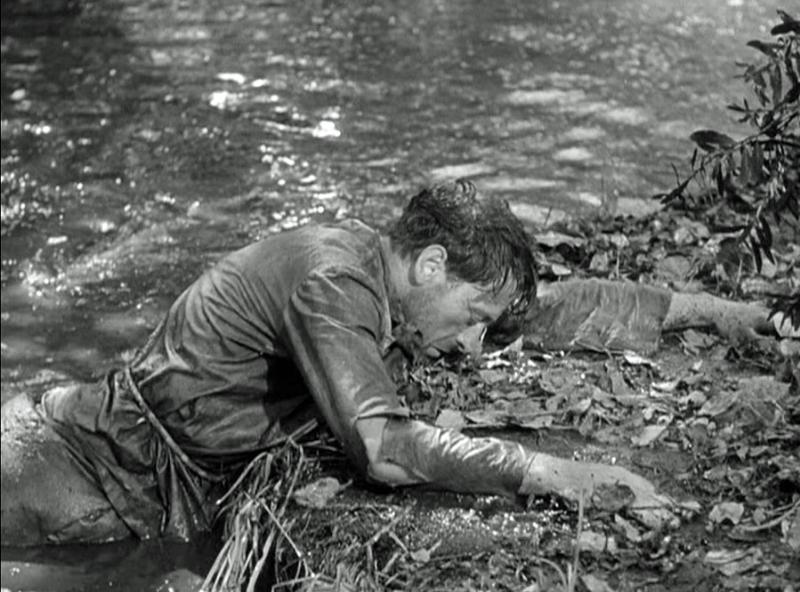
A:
[(303, 430), (154, 422)]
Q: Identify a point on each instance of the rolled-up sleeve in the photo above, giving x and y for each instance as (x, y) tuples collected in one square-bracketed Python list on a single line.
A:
[(332, 331), (599, 315)]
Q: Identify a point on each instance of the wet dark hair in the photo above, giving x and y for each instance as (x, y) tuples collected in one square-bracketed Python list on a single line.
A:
[(485, 242)]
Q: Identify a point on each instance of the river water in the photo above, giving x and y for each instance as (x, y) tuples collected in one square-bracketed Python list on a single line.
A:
[(142, 139)]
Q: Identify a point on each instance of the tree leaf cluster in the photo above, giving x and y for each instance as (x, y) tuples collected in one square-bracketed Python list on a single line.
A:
[(756, 177)]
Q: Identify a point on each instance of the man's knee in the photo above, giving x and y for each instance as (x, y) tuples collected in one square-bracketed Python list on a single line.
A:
[(46, 496)]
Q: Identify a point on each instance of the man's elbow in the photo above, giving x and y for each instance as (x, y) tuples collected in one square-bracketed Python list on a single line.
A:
[(379, 469), (387, 473)]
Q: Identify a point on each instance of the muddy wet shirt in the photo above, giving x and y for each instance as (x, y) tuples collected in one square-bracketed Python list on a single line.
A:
[(242, 352)]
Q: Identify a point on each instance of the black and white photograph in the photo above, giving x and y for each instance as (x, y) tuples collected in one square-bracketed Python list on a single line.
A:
[(365, 296)]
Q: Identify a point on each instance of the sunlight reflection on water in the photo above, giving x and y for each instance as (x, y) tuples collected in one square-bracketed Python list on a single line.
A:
[(142, 139)]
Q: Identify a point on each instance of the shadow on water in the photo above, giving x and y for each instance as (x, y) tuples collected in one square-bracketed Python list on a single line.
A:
[(46, 44), (125, 566), (144, 138)]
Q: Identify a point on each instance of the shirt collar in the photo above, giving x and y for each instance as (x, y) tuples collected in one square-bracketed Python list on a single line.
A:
[(406, 335)]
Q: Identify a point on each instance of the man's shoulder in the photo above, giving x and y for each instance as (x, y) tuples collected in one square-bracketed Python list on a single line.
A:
[(315, 248), (348, 243)]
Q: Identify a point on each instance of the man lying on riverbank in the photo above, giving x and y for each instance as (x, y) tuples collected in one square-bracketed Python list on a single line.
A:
[(293, 327)]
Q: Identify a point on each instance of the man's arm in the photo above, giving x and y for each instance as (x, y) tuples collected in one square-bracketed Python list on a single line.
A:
[(734, 320), (331, 332), (406, 452), (607, 314)]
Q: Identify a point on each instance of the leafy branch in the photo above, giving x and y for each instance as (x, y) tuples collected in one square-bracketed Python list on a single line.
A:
[(757, 177)]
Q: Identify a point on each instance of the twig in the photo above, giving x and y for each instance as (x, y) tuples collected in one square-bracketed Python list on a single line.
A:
[(556, 568), (374, 538), (253, 463), (770, 523), (573, 573), (251, 584)]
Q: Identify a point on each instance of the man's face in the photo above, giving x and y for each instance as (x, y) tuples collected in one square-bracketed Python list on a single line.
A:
[(452, 316)]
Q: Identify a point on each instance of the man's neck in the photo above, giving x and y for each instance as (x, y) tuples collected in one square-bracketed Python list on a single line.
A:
[(397, 269), (397, 284)]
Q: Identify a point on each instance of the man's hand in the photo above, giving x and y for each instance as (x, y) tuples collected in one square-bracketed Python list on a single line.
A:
[(742, 322), (572, 480), (738, 322)]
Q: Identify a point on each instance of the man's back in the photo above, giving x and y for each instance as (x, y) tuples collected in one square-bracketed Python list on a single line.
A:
[(219, 360)]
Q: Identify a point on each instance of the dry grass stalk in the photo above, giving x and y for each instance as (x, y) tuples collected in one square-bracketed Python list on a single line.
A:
[(255, 530)]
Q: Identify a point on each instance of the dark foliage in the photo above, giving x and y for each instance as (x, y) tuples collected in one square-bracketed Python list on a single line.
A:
[(756, 178)]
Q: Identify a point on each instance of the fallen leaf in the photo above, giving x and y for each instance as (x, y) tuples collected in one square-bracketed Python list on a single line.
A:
[(790, 527), (759, 516), (554, 403), (421, 555), (783, 326), (731, 562), (581, 406), (667, 386), (719, 403), (627, 528), (424, 555), (612, 498), (514, 395), (619, 240), (492, 376), (535, 422), (616, 380), (610, 434), (731, 511), (648, 435), (451, 418), (690, 506), (674, 268), (488, 417), (694, 341), (553, 239), (636, 360), (560, 270), (318, 493), (697, 398), (597, 542), (595, 584)]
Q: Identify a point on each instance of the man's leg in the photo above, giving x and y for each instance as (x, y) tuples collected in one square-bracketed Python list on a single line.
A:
[(47, 496)]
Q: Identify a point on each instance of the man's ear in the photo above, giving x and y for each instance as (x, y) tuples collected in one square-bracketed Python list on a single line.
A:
[(430, 266)]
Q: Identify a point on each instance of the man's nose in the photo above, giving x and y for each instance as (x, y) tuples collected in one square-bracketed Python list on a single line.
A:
[(470, 340)]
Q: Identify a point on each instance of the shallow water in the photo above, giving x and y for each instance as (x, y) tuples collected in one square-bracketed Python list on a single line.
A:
[(127, 566), (142, 139)]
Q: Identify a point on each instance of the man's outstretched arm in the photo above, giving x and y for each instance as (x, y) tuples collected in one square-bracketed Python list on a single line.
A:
[(332, 339), (731, 319), (409, 452), (608, 314)]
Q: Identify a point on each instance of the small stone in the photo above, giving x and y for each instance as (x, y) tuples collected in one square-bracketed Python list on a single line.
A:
[(597, 542)]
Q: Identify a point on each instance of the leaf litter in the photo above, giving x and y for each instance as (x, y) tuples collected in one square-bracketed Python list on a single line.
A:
[(714, 423)]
